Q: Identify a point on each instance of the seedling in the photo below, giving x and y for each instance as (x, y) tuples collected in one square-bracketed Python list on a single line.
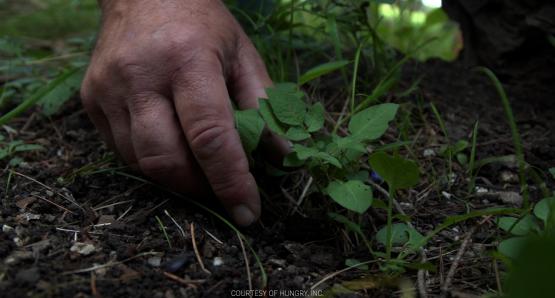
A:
[(164, 229), (13, 147)]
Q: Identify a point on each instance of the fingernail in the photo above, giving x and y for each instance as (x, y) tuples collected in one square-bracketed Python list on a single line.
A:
[(242, 214)]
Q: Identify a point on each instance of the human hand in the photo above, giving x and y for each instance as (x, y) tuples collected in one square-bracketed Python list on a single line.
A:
[(158, 90)]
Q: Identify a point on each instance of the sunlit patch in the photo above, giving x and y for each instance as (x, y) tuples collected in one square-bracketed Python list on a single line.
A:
[(433, 3)]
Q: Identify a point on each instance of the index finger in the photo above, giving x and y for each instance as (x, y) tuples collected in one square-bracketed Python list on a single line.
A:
[(206, 115)]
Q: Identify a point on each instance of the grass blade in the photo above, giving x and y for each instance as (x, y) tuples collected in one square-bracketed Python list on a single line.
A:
[(514, 130), (164, 229), (336, 45), (38, 95)]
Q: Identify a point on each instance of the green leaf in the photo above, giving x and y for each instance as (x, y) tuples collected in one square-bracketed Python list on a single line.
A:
[(15, 161), (521, 229), (353, 195), (287, 107), (532, 275), (249, 124), (351, 226), (37, 95), (270, 118), (304, 152), (28, 147), (371, 123), (314, 118), (272, 171), (297, 133), (329, 158), (436, 16), (513, 247), (400, 235), (292, 160), (393, 145), (463, 160), (321, 70), (3, 153), (379, 204), (292, 87), (543, 207), (402, 217), (1, 138), (551, 170), (339, 145), (398, 172), (13, 144), (353, 262), (54, 99), (461, 145), (359, 176)]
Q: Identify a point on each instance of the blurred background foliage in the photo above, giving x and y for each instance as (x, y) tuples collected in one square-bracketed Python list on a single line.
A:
[(41, 39)]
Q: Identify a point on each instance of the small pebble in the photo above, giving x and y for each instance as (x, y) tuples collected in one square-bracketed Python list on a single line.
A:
[(218, 261), (154, 261), (82, 248)]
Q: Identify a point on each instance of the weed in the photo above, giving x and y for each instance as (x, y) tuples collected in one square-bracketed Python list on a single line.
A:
[(10, 148)]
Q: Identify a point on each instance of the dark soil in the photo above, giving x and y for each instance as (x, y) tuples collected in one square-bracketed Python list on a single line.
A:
[(55, 234)]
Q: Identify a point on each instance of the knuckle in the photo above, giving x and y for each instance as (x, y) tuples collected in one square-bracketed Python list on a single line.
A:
[(228, 185), (208, 137), (160, 165)]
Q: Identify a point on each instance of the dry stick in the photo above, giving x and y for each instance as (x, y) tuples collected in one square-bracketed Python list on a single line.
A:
[(497, 279), (121, 194), (112, 205), (93, 284), (338, 272), (52, 190), (52, 203), (111, 264), (196, 249), (334, 123), (455, 264), (214, 237), (421, 276), (301, 197), (124, 213), (179, 279), (175, 222), (214, 286), (247, 263)]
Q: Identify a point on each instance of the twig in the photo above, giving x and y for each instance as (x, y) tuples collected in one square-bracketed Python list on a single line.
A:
[(196, 249), (63, 196), (213, 237), (93, 285), (111, 205), (455, 264), (247, 264), (179, 279), (121, 194), (124, 213), (214, 286), (182, 233), (338, 272), (53, 203), (497, 279), (111, 264)]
